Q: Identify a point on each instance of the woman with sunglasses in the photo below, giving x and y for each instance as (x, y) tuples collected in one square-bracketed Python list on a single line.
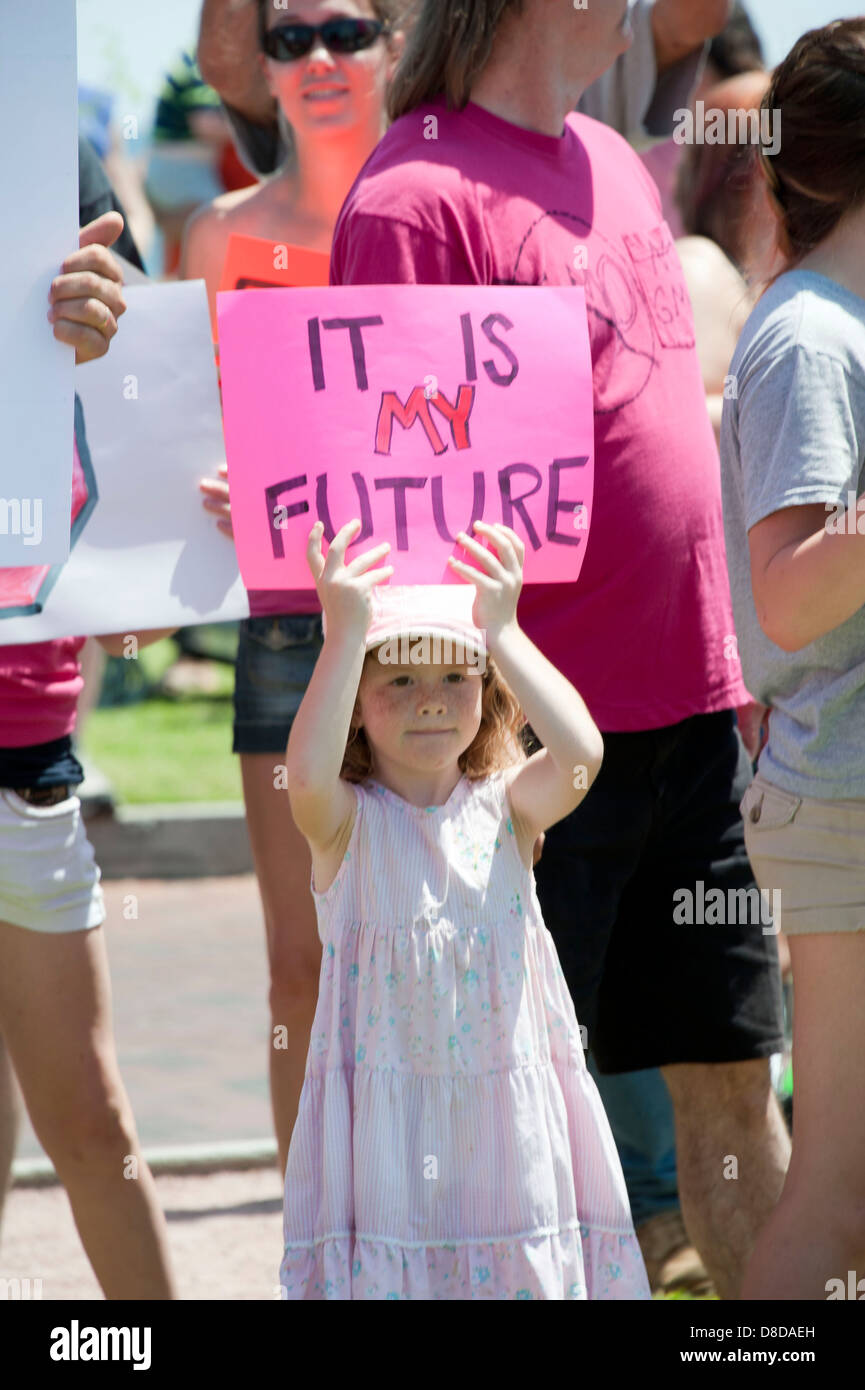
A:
[(328, 69), (328, 75)]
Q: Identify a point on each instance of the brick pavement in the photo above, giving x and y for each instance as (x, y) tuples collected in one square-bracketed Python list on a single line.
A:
[(189, 979), (224, 1234)]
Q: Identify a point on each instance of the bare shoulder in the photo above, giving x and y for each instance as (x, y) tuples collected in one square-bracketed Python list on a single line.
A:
[(208, 229), (721, 303), (227, 208), (709, 271)]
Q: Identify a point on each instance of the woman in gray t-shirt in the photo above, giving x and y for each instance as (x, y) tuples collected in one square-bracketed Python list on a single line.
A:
[(793, 452)]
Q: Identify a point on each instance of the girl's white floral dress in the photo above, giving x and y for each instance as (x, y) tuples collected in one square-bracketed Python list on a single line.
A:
[(450, 1143)]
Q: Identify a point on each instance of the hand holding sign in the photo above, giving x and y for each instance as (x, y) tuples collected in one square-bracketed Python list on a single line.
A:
[(420, 410), (344, 588), (498, 579), (86, 298)]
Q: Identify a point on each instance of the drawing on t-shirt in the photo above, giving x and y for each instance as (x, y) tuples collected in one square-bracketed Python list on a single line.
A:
[(640, 294), (24, 589)]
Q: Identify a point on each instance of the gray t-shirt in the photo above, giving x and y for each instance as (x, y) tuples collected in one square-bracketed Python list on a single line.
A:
[(629, 96), (795, 434)]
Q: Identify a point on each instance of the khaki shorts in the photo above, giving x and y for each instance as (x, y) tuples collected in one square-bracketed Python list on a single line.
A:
[(809, 855)]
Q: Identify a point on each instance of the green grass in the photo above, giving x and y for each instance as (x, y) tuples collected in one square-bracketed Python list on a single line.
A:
[(161, 749), (166, 750), (157, 748)]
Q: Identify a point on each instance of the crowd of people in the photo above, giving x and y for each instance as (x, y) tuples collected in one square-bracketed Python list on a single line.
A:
[(451, 914)]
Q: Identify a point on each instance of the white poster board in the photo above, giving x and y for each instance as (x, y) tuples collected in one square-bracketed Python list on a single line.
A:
[(38, 230), (145, 553)]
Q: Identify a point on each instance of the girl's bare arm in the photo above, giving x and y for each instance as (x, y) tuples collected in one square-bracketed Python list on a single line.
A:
[(320, 801), (553, 782)]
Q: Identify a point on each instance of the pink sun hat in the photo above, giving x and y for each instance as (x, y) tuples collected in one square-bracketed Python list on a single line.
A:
[(424, 610)]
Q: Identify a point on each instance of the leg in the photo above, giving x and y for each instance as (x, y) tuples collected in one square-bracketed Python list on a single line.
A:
[(55, 1014), (283, 866), (641, 1118), (726, 1112), (640, 1112), (817, 1231), (8, 1122), (275, 659)]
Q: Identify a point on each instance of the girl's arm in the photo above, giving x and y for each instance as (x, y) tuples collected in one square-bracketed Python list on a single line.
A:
[(320, 801), (553, 782)]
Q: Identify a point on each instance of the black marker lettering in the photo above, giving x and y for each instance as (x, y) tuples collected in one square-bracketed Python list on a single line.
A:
[(439, 511), (315, 354), (490, 367), (323, 509), (295, 509), (355, 327), (511, 504), (399, 486), (554, 506), (469, 346)]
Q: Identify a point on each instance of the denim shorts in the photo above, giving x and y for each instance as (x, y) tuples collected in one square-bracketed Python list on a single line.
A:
[(275, 660)]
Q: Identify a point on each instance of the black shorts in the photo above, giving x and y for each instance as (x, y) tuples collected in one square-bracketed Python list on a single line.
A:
[(623, 884)]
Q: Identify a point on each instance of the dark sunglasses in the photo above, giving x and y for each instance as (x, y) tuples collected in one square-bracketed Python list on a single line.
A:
[(288, 42)]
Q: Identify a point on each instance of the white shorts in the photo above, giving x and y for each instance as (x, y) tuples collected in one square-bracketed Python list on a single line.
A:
[(49, 880)]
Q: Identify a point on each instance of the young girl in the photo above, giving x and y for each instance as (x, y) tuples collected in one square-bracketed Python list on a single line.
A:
[(449, 1143), (792, 450), (330, 89)]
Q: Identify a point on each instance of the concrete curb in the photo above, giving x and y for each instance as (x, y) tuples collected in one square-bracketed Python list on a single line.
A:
[(190, 839), (173, 1160)]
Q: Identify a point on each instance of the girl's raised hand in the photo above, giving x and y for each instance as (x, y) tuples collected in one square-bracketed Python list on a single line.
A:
[(345, 590), (500, 579)]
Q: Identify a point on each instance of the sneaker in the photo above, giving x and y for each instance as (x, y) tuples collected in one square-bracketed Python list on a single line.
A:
[(671, 1261)]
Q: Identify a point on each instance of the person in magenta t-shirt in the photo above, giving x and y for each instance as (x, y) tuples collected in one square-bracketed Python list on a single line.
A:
[(55, 1013), (511, 188)]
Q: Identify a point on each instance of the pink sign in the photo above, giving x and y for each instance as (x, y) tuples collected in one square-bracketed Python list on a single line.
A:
[(417, 409)]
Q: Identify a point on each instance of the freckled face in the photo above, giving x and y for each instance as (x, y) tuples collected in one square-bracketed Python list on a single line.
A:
[(421, 717)]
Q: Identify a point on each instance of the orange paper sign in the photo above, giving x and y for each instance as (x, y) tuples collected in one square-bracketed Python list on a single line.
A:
[(255, 263)]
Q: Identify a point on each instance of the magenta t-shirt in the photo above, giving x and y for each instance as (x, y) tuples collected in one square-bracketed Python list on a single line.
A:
[(39, 688), (646, 635)]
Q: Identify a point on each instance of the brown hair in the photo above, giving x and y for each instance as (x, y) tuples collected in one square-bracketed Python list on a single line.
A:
[(818, 173), (448, 49), (715, 183), (496, 745)]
